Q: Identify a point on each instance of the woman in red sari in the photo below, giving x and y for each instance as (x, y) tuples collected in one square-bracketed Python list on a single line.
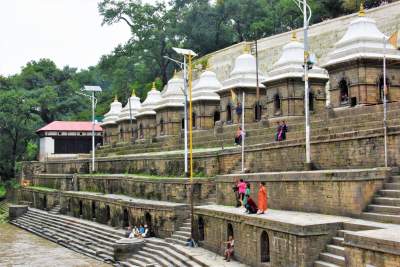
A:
[(262, 199)]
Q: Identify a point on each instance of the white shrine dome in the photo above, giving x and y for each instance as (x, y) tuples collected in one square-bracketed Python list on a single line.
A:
[(148, 105), (206, 87), (362, 39), (243, 74), (111, 117), (134, 104), (290, 64), (173, 95)]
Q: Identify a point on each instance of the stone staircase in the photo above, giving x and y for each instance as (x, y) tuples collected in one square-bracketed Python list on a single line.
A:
[(88, 238), (182, 235), (157, 252), (385, 206), (56, 209), (333, 256)]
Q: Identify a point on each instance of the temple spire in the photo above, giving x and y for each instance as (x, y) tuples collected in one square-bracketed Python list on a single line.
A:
[(116, 98), (154, 86), (133, 92)]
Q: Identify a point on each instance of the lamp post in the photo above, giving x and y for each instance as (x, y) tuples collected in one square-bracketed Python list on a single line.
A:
[(92, 90), (187, 69), (302, 5)]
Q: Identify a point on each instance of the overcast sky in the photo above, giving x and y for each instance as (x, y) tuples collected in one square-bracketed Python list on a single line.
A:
[(69, 32)]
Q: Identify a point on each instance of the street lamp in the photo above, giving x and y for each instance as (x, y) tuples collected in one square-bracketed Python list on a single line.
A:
[(92, 90), (187, 74), (303, 6)]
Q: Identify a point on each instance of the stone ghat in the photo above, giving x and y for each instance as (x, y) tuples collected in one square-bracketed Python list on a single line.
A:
[(334, 121), (153, 188), (337, 192), (287, 238), (354, 149), (162, 217)]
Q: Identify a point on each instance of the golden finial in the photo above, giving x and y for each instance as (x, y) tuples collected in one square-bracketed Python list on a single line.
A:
[(294, 37), (246, 49), (154, 86), (116, 98), (133, 92), (361, 13)]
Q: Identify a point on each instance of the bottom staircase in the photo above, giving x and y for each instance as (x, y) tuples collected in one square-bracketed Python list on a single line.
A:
[(333, 256)]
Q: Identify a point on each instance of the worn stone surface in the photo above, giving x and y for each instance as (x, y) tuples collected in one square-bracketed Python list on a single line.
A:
[(162, 217), (338, 192)]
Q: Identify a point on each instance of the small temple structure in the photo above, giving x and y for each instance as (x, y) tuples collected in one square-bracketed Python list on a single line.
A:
[(285, 83), (355, 65), (146, 117), (109, 124), (243, 78), (127, 120), (205, 101), (170, 108)]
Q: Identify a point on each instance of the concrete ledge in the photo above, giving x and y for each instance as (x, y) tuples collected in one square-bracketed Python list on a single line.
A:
[(382, 240), (126, 247), (16, 211)]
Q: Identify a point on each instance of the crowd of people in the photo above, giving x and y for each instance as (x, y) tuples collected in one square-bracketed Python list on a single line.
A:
[(242, 191), (142, 231)]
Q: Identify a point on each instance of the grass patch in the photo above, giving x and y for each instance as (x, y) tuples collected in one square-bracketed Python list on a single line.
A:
[(3, 190)]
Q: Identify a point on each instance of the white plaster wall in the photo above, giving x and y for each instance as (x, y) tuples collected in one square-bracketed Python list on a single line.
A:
[(46, 147)]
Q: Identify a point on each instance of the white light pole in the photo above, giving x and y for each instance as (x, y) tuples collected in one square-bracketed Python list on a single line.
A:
[(385, 102), (92, 90), (302, 5)]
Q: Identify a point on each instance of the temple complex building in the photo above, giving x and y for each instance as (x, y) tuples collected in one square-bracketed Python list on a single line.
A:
[(109, 124), (206, 101), (243, 78), (285, 83), (127, 120), (170, 109), (146, 117), (355, 66)]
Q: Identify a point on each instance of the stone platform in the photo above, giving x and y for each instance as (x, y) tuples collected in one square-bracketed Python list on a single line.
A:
[(337, 192), (289, 238)]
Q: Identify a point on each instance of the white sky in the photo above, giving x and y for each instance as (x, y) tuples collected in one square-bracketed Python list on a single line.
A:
[(69, 32)]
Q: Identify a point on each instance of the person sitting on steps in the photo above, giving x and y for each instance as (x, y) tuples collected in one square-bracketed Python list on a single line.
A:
[(230, 245)]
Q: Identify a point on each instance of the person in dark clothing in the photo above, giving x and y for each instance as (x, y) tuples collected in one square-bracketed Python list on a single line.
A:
[(251, 206), (284, 130), (239, 111)]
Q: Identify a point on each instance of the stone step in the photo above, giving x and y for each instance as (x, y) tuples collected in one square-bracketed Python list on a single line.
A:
[(71, 244), (395, 179), (170, 261), (340, 233), (387, 201), (92, 227), (66, 237), (146, 261), (384, 209), (332, 258), (185, 228), (155, 258), (180, 237), (174, 257), (184, 233), (390, 193), (133, 263), (380, 217), (177, 250), (76, 227), (320, 263), (338, 241), (176, 241), (392, 186), (337, 250), (187, 224)]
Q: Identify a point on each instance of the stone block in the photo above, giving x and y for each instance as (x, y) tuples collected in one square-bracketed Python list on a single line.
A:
[(126, 247), (16, 211)]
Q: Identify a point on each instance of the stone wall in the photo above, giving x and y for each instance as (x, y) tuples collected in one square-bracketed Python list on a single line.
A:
[(165, 189), (373, 248), (344, 193), (163, 218), (289, 243), (56, 181), (38, 198)]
